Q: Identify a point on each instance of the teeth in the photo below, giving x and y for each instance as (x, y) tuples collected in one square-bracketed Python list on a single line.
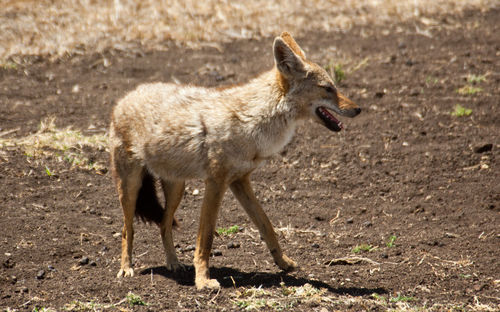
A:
[(331, 122), (325, 113)]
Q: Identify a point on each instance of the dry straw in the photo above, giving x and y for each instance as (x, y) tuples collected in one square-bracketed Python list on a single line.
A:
[(57, 27)]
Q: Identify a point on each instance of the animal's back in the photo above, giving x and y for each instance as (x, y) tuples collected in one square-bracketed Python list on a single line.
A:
[(161, 126)]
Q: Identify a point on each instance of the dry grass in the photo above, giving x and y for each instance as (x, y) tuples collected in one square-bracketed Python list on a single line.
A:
[(291, 298), (59, 27), (65, 144), (286, 298)]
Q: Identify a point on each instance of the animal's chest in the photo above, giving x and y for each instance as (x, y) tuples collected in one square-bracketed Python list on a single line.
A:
[(271, 142)]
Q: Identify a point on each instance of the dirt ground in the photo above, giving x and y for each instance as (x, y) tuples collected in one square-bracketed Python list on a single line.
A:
[(413, 186)]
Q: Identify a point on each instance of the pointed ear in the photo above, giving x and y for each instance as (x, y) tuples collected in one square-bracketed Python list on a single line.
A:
[(287, 37), (287, 62)]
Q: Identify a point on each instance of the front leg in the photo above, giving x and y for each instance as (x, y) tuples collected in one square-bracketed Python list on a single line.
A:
[(243, 192), (214, 191)]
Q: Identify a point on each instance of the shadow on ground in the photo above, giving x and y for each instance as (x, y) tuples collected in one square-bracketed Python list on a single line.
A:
[(230, 277)]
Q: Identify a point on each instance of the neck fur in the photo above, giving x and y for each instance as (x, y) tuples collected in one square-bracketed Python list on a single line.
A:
[(266, 113)]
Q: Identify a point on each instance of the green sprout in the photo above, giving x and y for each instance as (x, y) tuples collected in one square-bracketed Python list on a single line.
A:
[(47, 170), (135, 300), (474, 79), (461, 111), (336, 71), (362, 247), (468, 90), (233, 229), (391, 241)]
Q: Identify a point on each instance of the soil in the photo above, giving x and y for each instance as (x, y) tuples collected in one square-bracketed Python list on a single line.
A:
[(405, 167)]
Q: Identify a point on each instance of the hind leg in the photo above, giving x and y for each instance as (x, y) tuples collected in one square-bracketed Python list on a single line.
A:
[(173, 194), (128, 182)]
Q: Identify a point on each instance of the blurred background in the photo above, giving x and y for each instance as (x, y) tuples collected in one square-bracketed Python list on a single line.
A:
[(75, 26)]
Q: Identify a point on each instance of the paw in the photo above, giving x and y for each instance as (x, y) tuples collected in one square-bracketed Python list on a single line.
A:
[(286, 264), (207, 283), (175, 266), (125, 272)]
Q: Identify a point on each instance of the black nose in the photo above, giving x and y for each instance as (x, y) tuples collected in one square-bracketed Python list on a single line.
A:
[(357, 110)]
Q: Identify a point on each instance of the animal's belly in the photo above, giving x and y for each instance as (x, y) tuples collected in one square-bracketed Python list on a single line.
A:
[(177, 162)]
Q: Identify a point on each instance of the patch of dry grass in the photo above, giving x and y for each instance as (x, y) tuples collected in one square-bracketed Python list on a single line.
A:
[(65, 144), (73, 26), (307, 296), (288, 298)]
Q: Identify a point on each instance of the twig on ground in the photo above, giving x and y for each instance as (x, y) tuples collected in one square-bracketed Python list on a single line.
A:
[(217, 294), (335, 219), (421, 260), (6, 132), (350, 261)]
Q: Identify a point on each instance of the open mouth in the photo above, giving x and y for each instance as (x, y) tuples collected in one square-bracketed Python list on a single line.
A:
[(330, 121)]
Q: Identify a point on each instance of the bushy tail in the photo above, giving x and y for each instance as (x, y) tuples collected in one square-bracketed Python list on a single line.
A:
[(147, 206)]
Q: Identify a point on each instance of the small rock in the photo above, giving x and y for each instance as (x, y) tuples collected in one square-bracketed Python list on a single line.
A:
[(315, 245), (384, 256), (402, 45), (13, 279), (51, 267), (319, 218), (24, 289), (188, 248), (482, 148), (380, 94), (84, 261), (216, 252), (414, 92), (410, 62), (367, 224), (92, 263), (349, 221), (40, 275), (9, 263), (232, 245), (50, 76)]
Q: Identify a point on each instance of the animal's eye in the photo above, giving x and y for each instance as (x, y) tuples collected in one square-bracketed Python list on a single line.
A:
[(329, 89)]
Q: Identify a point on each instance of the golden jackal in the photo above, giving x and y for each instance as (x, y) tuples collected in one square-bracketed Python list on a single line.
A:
[(174, 133)]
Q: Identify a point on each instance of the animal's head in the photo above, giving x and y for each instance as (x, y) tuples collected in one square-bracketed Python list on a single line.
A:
[(309, 86)]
